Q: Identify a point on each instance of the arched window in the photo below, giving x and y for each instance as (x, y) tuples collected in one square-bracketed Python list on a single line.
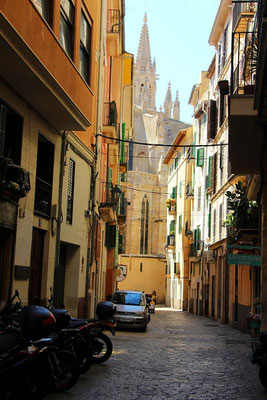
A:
[(144, 226)]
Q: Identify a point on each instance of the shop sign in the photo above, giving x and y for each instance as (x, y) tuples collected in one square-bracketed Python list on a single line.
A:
[(244, 259)]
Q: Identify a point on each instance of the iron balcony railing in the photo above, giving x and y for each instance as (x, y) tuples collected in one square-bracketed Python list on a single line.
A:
[(244, 62), (113, 21), (110, 114), (242, 8)]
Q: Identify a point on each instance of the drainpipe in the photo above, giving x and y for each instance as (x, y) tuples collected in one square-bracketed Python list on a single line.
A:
[(58, 219)]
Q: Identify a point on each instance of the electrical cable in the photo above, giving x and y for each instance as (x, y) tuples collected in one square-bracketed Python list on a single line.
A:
[(162, 144)]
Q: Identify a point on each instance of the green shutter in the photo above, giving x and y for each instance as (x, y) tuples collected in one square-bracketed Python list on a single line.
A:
[(110, 178), (172, 226), (198, 238), (200, 157), (180, 223)]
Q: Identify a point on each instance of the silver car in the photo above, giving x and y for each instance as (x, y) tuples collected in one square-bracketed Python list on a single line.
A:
[(132, 309)]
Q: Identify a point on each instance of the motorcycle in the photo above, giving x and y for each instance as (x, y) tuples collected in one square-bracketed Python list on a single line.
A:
[(259, 355), (91, 330), (29, 357)]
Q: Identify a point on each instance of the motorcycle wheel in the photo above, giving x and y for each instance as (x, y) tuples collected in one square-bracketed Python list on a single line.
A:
[(263, 376), (66, 371), (84, 357), (148, 317), (102, 348)]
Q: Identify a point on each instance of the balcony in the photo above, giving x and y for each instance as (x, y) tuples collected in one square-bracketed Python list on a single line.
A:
[(245, 135), (192, 250), (244, 62), (110, 119), (171, 205), (113, 32), (15, 181), (243, 12), (189, 190), (34, 75)]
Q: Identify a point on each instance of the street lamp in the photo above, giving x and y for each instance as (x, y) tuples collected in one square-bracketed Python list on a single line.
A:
[(115, 193)]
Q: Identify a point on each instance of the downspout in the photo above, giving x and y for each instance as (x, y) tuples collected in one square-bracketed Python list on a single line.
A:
[(59, 215), (90, 253)]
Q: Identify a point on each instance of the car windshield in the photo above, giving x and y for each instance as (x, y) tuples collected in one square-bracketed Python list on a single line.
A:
[(131, 299)]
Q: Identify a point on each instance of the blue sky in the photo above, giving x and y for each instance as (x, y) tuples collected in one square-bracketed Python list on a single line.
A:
[(179, 32)]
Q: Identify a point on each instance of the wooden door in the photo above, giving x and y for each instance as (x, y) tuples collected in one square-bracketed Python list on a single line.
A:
[(36, 266)]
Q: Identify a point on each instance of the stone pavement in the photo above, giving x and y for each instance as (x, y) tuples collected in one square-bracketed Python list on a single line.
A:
[(181, 357)]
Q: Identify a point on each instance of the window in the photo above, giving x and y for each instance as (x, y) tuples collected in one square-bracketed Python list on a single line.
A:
[(144, 226), (85, 48), (66, 26), (44, 176), (10, 136), (45, 9), (70, 191)]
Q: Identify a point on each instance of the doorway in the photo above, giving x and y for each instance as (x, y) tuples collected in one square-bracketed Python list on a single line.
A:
[(34, 295)]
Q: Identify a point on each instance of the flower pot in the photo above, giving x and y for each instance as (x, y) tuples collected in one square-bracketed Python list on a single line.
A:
[(254, 324)]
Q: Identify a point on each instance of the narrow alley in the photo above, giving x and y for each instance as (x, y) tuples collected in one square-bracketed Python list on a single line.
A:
[(181, 356)]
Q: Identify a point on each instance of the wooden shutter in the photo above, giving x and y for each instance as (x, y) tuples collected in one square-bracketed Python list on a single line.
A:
[(70, 191), (212, 125), (200, 157), (110, 178), (110, 242), (172, 226)]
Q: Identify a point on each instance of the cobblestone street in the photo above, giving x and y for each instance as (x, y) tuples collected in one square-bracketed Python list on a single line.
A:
[(181, 356)]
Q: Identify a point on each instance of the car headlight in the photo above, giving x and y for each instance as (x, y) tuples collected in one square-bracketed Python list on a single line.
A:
[(139, 314)]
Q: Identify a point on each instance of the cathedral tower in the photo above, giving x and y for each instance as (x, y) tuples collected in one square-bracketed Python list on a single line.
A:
[(168, 102), (145, 73)]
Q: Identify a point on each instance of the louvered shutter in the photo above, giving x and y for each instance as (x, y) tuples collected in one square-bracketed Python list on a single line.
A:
[(212, 126), (70, 191), (200, 157)]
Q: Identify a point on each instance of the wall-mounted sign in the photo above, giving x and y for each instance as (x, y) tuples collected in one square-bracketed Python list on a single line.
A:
[(244, 259), (122, 272)]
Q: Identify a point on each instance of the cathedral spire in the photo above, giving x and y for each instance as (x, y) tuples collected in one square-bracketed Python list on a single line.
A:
[(143, 59), (168, 102), (145, 73), (176, 107)]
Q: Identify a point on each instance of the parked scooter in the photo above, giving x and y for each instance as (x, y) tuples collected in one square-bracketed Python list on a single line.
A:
[(259, 355), (91, 330), (30, 358)]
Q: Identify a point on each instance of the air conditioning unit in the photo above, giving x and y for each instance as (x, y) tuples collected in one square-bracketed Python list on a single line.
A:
[(209, 255)]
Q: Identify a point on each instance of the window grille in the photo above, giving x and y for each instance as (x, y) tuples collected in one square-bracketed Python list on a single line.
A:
[(70, 191)]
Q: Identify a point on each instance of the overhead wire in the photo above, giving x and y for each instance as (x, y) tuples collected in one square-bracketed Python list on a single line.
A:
[(162, 144)]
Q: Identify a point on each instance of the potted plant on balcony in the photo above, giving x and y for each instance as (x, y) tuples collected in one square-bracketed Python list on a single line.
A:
[(171, 204)]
